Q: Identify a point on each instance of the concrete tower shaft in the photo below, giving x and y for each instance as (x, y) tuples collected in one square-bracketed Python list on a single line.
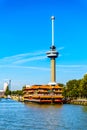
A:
[(53, 73), (52, 54)]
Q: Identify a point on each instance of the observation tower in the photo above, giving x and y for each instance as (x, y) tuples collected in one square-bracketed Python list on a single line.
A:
[(53, 54), (51, 93)]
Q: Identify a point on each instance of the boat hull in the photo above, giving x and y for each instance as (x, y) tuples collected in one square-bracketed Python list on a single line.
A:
[(45, 101)]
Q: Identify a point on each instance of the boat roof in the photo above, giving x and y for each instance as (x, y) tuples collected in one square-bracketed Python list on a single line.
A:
[(43, 87)]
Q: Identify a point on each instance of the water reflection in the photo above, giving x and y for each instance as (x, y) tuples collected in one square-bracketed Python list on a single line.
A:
[(43, 105), (31, 116), (85, 108)]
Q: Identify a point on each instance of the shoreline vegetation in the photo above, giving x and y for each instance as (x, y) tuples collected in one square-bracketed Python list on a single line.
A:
[(75, 91), (79, 101)]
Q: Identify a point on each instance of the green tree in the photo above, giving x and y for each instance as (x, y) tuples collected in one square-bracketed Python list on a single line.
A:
[(73, 87), (83, 86), (65, 94), (61, 85), (17, 92), (7, 92)]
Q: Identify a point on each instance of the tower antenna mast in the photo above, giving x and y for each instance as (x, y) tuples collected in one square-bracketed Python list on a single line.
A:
[(52, 18)]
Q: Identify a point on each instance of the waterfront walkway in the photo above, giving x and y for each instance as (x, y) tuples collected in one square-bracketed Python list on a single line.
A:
[(79, 101)]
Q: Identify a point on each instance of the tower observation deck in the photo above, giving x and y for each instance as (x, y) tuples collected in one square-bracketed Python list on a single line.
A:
[(52, 54)]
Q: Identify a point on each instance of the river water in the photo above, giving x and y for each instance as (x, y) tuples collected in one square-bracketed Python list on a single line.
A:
[(19, 116)]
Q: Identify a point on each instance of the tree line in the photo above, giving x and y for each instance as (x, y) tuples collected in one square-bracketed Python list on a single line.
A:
[(15, 92), (75, 88)]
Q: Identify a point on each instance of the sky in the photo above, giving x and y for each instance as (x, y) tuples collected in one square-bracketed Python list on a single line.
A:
[(25, 37)]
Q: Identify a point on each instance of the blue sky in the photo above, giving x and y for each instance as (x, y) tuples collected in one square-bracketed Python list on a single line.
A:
[(25, 37)]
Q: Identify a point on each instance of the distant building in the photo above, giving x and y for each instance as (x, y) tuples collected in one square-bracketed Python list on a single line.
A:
[(5, 86), (2, 92)]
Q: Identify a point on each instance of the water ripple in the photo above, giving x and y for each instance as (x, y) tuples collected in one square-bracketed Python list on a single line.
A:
[(18, 116)]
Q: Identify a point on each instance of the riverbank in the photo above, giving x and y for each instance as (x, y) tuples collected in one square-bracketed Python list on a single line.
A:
[(14, 97), (78, 101), (18, 98)]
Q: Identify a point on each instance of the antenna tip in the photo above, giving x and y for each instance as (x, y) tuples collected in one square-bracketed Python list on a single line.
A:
[(52, 17)]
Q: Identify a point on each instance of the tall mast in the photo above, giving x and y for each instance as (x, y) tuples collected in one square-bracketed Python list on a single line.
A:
[(52, 18)]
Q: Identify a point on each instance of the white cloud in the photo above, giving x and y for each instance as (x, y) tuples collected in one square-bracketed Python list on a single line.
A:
[(72, 68), (60, 48), (25, 57), (21, 58), (30, 59), (25, 67), (16, 61)]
